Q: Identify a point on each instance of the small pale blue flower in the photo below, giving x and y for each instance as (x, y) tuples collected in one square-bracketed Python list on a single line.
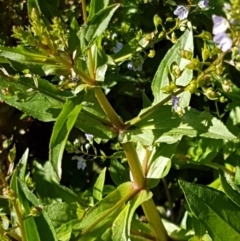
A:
[(175, 102), (131, 67), (181, 11), (220, 24), (118, 47), (81, 162), (223, 41), (203, 4), (89, 137)]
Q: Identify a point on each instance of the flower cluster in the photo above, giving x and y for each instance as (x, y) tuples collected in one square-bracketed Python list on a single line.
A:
[(182, 11), (220, 26)]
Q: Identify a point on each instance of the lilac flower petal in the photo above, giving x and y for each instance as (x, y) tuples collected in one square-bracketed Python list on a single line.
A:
[(223, 41), (81, 165), (118, 47), (181, 11), (81, 162), (130, 66), (220, 24), (175, 102), (203, 4), (89, 137)]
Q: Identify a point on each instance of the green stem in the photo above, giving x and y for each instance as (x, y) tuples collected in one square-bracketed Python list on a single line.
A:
[(135, 120), (107, 108), (130, 152), (155, 221), (86, 78), (218, 166), (134, 164)]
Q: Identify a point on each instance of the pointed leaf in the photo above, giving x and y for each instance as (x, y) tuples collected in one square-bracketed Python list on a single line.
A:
[(230, 188), (96, 26), (119, 174), (96, 6), (73, 41), (215, 211), (45, 176), (37, 227), (122, 224), (99, 185), (159, 163), (161, 78), (163, 126), (43, 102), (105, 205), (61, 130)]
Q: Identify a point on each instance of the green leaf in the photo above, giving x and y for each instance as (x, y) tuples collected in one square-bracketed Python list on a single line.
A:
[(19, 172), (163, 126), (39, 227), (48, 187), (61, 130), (159, 163), (161, 78), (46, 8), (96, 6), (176, 232), (233, 120), (214, 210), (96, 26), (43, 102), (73, 41), (40, 63), (103, 207), (99, 185), (122, 224), (230, 188), (204, 150), (60, 213), (119, 174), (99, 218)]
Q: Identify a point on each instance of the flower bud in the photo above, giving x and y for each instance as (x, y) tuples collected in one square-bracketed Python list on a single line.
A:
[(219, 69), (173, 37), (8, 142), (205, 35), (148, 37), (157, 20), (169, 19), (186, 54), (10, 194), (169, 89), (36, 211), (161, 34), (211, 94), (182, 28), (192, 87), (12, 154), (227, 86), (194, 64), (151, 53), (222, 99), (176, 70), (179, 111)]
